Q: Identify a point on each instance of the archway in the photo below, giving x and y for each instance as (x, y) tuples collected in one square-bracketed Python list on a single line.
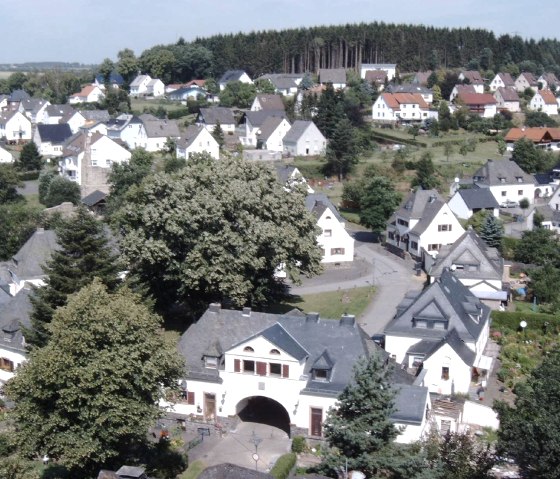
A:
[(264, 410)]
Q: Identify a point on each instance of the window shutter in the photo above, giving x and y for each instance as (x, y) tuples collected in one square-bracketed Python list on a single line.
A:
[(261, 368), (237, 365), (285, 370), (190, 398)]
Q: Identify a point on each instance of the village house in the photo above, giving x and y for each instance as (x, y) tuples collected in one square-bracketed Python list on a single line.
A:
[(507, 182), (197, 139), (289, 176), (253, 122), (542, 137), (210, 117), (156, 132), (526, 80), (88, 94), (401, 107), (502, 80), (35, 109), (50, 139), (475, 264), (336, 244), (545, 101), (115, 80), (304, 139), (335, 76), (378, 78), (268, 102), (548, 81), (234, 75), (468, 201), (507, 99), (288, 366), (284, 83), (15, 127), (389, 68), (421, 78), (270, 135), (422, 225), (144, 85), (413, 88), (474, 78), (461, 89), (481, 104), (186, 93), (55, 113), (440, 334)]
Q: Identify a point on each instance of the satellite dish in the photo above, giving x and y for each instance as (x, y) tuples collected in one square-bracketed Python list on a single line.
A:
[(456, 179)]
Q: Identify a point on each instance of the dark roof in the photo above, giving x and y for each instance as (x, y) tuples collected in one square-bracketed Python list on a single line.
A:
[(494, 171), (14, 314), (507, 79), (281, 81), (18, 95), (131, 472), (189, 136), (58, 133), (94, 198), (317, 203), (543, 178), (284, 173), (33, 104), (114, 78), (31, 257), (408, 88), (95, 115), (231, 75), (332, 75), (257, 118), (415, 203), (211, 116), (270, 102), (60, 110), (410, 403), (478, 198), (298, 128), (446, 300), (156, 128), (278, 336), (269, 127), (469, 249), (184, 92), (508, 94), (231, 471)]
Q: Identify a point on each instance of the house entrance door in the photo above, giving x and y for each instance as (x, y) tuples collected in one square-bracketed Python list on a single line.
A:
[(316, 422), (209, 406)]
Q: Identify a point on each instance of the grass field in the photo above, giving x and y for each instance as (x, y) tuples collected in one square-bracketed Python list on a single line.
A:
[(193, 471), (141, 103)]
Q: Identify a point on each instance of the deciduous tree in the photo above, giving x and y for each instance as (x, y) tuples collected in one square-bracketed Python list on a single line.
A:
[(60, 190), (89, 396), (539, 246)]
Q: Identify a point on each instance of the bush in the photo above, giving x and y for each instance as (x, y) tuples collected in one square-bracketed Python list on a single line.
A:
[(28, 175), (283, 466), (524, 203), (299, 444)]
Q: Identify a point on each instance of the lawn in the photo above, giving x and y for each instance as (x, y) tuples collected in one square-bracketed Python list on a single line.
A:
[(138, 104), (193, 471), (331, 305)]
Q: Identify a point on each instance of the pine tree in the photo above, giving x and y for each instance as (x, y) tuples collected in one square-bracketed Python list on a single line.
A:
[(492, 231), (342, 150), (218, 134), (360, 428), (29, 158), (426, 173), (83, 255)]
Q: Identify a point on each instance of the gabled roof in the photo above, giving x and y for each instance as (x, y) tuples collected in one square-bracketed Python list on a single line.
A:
[(332, 75), (415, 203), (95, 115), (478, 198), (317, 203), (85, 91), (13, 315), (189, 136), (59, 110), (324, 361), (94, 198), (550, 79), (376, 76), (269, 127), (508, 94), (56, 134), (18, 95), (33, 105), (395, 100), (409, 88), (464, 89), (36, 251), (297, 130), (474, 77), (284, 173), (257, 118), (211, 116), (114, 78), (496, 172), (139, 80), (507, 79), (278, 336), (270, 102), (76, 144), (8, 115), (469, 249), (282, 81), (477, 98), (548, 97), (447, 301), (156, 128), (535, 134), (530, 78), (231, 75), (422, 77), (410, 404), (130, 472)]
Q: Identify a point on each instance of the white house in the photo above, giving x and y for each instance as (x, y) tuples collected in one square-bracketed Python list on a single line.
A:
[(336, 244), (155, 132), (468, 201), (265, 101), (254, 121), (50, 139), (545, 101), (542, 137), (507, 99), (293, 366), (413, 88), (506, 181), (478, 266), (423, 223), (482, 104), (88, 94), (139, 86), (304, 139), (526, 80), (270, 135), (15, 127), (473, 78), (55, 113), (389, 68), (548, 81), (91, 155), (440, 333), (184, 94), (197, 139), (234, 75), (284, 83), (502, 80), (35, 109), (406, 107), (5, 155), (210, 117), (461, 89), (290, 176), (335, 76)]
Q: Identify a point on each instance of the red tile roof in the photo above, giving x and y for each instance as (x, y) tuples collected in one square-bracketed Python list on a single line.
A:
[(548, 97), (395, 100), (536, 135)]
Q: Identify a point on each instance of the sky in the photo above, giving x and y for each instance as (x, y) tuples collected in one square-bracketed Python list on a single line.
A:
[(87, 31)]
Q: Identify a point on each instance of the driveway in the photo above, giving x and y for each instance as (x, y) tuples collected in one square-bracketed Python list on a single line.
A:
[(238, 446)]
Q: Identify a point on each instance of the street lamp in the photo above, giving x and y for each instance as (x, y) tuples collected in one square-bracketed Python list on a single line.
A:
[(523, 325)]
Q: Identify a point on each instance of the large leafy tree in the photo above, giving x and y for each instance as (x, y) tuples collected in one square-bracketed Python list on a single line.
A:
[(238, 94), (127, 65), (61, 190), (216, 231), (539, 246), (89, 396), (29, 158), (83, 255), (530, 430), (9, 183), (342, 150), (359, 428), (18, 220)]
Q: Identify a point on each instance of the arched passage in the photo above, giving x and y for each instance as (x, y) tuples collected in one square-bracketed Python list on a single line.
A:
[(264, 411)]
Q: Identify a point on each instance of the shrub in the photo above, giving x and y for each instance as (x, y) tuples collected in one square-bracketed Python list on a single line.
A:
[(299, 444), (283, 466), (524, 203)]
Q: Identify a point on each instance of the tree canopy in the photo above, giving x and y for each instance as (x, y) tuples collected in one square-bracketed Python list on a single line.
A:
[(60, 190), (29, 158), (426, 173), (492, 231), (216, 231), (9, 183), (89, 396), (539, 246)]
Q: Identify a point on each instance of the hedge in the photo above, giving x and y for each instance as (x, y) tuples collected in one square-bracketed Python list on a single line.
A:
[(28, 175), (283, 466), (535, 321), (398, 139)]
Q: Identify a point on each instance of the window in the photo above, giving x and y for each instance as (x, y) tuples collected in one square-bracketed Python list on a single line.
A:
[(433, 247), (211, 362), (108, 162), (504, 193), (321, 374), (445, 373), (275, 369), (189, 397), (402, 222), (6, 364), (274, 351), (414, 245), (421, 324), (249, 367), (327, 233), (93, 162), (248, 349), (335, 251), (520, 192), (391, 235), (444, 227)]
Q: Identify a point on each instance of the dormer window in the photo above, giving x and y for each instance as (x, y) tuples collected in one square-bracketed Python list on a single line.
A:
[(211, 362), (321, 374), (519, 179), (502, 180), (248, 349)]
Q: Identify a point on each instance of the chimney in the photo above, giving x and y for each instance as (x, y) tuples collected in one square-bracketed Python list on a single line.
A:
[(348, 320), (312, 317), (214, 307), (246, 312), (432, 198)]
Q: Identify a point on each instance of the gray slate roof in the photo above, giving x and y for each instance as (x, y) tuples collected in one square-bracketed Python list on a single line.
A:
[(257, 118), (96, 115), (270, 102), (298, 128), (19, 95), (497, 172), (94, 198), (280, 81), (478, 198), (60, 110), (446, 300), (423, 205), (409, 88), (131, 472), (189, 136), (410, 402), (211, 116), (284, 173), (14, 314), (269, 127), (156, 128), (317, 203), (231, 471), (469, 249), (231, 75), (33, 105), (508, 94), (332, 75), (55, 134), (36, 251)]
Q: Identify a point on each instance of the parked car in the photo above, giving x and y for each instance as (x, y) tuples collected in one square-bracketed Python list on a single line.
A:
[(509, 204)]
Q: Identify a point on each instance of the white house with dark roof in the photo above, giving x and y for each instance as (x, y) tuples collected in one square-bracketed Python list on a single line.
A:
[(468, 201), (413, 88), (506, 181), (157, 132), (291, 367), (35, 109), (545, 101), (474, 78), (304, 139), (15, 127), (335, 76), (254, 121), (197, 139), (406, 107), (284, 83), (336, 244), (526, 80), (210, 117), (265, 101), (193, 92), (475, 264), (507, 99), (289, 176), (234, 75), (440, 334), (502, 80), (139, 86), (270, 136), (50, 139), (549, 81), (423, 223), (389, 68), (55, 113)]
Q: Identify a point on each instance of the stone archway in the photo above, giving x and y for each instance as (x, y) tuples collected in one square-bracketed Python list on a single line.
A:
[(263, 410)]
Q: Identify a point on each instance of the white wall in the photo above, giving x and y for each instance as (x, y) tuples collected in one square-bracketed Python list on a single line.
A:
[(459, 372), (432, 235), (6, 156), (511, 192), (16, 124), (274, 142), (16, 358), (480, 415), (204, 142), (338, 238)]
